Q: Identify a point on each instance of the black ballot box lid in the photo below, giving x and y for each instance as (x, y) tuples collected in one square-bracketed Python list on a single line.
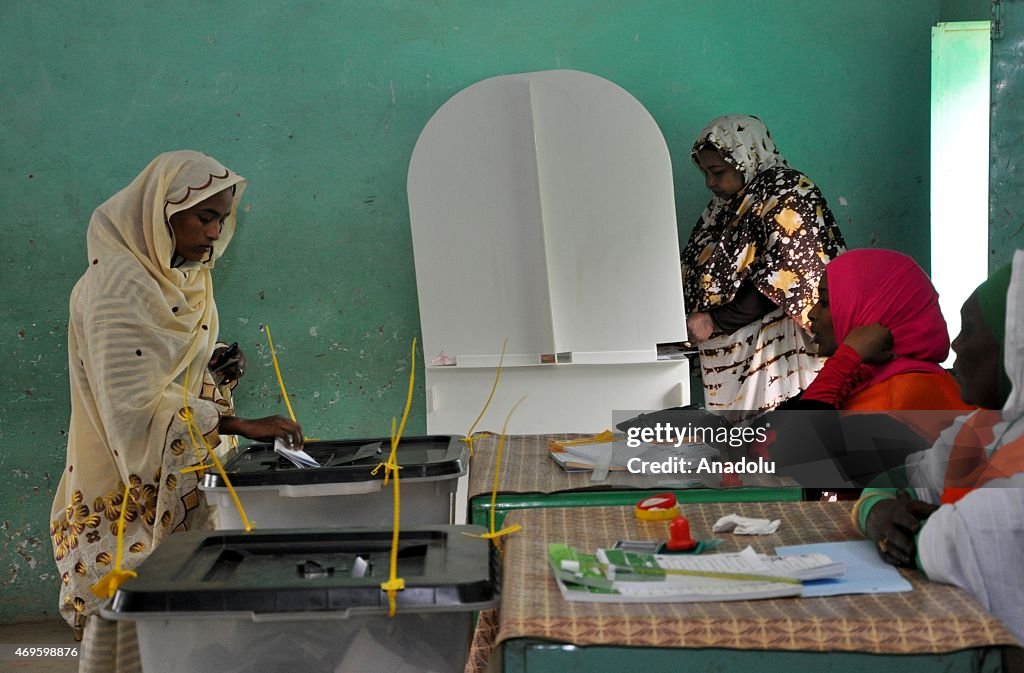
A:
[(445, 568), (343, 461)]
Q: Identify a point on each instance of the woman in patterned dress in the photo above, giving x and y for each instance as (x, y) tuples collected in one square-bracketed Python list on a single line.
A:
[(143, 323), (751, 267)]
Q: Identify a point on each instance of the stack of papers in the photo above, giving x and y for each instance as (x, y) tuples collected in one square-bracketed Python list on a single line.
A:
[(298, 457), (866, 572), (615, 575), (585, 457)]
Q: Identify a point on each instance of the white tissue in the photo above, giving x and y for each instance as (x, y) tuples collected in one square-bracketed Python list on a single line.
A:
[(741, 525)]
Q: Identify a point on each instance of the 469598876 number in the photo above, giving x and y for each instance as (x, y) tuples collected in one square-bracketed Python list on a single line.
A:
[(46, 652)]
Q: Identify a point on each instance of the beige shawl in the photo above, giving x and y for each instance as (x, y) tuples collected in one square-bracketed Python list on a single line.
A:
[(137, 325)]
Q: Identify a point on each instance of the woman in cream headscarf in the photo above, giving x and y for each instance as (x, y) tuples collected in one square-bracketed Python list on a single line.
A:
[(751, 267), (142, 331)]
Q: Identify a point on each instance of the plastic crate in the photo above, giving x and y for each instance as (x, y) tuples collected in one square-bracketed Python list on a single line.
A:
[(344, 491), (227, 602)]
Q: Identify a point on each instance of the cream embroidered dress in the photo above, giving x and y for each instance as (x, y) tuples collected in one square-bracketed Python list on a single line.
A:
[(138, 325)]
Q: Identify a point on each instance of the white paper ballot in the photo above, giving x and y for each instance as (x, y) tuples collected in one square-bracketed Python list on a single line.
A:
[(297, 456)]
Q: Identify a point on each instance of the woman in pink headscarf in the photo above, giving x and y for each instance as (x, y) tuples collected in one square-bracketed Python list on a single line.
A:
[(878, 318)]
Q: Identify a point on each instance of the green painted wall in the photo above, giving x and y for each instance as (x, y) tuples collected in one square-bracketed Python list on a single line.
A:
[(965, 10), (1006, 168), (319, 105)]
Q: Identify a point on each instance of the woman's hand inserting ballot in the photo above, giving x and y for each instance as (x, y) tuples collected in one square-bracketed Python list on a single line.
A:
[(265, 429)]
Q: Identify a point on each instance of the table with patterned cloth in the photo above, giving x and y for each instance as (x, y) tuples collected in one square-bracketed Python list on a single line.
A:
[(530, 478), (933, 626)]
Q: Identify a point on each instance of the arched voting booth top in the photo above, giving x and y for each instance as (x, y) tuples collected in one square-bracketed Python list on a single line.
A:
[(542, 212)]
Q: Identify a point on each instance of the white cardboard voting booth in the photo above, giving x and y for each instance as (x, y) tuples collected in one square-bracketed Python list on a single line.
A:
[(542, 212)]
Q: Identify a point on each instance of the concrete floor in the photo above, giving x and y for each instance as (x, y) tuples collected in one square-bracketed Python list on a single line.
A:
[(48, 633)]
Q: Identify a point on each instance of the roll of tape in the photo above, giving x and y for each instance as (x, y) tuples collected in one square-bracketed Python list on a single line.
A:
[(659, 507)]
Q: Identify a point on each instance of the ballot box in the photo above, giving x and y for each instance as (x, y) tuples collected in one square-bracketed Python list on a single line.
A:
[(308, 600), (347, 490)]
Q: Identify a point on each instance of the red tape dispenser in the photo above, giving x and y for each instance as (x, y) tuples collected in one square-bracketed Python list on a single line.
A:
[(664, 507)]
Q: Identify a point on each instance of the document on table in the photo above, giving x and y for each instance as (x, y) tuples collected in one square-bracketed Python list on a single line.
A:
[(807, 566), (866, 573), (615, 575)]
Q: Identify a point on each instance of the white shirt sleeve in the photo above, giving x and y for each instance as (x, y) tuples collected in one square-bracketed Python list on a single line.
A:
[(978, 544)]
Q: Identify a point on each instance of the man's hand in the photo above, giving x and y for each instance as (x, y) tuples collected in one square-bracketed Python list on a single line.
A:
[(893, 524)]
